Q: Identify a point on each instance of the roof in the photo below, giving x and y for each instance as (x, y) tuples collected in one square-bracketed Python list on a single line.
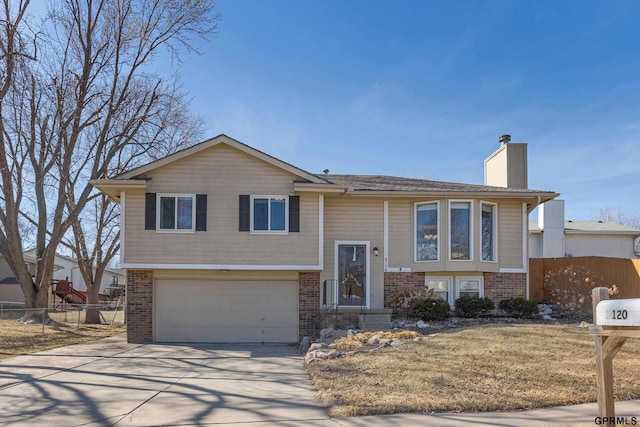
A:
[(379, 185), (590, 227), (384, 183), (220, 139)]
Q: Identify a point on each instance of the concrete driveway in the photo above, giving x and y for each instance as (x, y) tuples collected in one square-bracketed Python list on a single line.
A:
[(112, 383)]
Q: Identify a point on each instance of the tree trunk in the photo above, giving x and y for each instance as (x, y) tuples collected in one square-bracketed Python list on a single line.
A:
[(36, 307), (93, 298)]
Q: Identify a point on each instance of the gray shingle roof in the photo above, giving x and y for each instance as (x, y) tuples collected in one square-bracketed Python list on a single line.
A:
[(393, 183), (590, 227)]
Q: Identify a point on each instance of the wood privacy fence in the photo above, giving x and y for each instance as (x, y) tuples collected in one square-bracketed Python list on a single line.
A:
[(625, 273)]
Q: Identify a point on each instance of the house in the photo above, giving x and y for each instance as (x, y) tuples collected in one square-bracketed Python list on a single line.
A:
[(68, 270), (224, 243), (551, 236), (65, 268)]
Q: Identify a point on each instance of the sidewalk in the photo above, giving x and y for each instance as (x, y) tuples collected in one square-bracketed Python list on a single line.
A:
[(561, 416)]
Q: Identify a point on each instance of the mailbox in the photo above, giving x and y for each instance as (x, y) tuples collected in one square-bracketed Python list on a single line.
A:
[(618, 312)]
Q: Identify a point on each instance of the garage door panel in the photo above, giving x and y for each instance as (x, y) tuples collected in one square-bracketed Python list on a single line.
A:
[(233, 311)]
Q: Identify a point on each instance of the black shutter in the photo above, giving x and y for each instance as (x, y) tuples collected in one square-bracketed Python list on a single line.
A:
[(294, 214), (244, 214), (201, 212), (150, 211)]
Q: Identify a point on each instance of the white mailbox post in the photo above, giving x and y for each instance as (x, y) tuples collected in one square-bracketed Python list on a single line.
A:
[(613, 322)]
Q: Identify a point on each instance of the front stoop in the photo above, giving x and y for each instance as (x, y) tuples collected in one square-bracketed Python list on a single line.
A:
[(375, 320)]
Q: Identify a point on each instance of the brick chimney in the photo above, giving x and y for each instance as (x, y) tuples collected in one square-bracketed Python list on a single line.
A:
[(507, 166)]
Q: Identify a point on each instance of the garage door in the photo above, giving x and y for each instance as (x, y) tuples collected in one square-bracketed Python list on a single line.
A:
[(230, 311)]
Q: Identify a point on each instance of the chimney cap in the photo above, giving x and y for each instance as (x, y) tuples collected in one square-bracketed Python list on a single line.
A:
[(326, 171), (504, 139)]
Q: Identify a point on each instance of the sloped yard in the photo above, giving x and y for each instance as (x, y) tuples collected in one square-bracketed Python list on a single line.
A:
[(484, 368)]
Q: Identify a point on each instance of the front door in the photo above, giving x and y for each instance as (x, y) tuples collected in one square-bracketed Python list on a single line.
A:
[(352, 274)]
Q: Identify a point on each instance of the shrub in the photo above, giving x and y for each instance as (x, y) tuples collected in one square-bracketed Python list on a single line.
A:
[(430, 309), (518, 307), (407, 296), (571, 287), (473, 306)]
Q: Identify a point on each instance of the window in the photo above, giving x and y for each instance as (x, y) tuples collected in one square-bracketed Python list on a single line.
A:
[(460, 230), (426, 243), (441, 287), (176, 212), (469, 287), (488, 232), (269, 214)]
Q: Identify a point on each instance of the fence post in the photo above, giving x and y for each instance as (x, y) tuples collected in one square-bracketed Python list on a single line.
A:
[(79, 309), (604, 365)]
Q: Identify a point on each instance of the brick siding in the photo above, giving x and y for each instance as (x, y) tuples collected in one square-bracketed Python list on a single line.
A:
[(394, 281), (139, 306), (501, 286), (308, 304)]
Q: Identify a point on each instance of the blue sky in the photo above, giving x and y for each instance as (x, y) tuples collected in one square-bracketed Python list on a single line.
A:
[(423, 89)]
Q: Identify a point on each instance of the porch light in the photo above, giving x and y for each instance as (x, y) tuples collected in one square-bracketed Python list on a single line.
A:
[(376, 251)]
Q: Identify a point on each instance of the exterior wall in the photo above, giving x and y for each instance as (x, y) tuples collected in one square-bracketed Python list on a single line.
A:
[(402, 229), (139, 306), (355, 219), (535, 245), (608, 245), (5, 270), (394, 281), (501, 286), (223, 173), (511, 235), (11, 293), (309, 304), (507, 166)]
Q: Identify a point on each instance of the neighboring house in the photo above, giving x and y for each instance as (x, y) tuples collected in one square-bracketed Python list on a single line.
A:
[(69, 270), (224, 243), (65, 268), (551, 236)]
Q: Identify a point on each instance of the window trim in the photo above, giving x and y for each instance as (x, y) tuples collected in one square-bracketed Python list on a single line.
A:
[(471, 229), (269, 197), (494, 227), (415, 230), (480, 280), (449, 279), (175, 196)]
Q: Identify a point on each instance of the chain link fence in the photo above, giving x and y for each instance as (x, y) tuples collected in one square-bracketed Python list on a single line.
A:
[(67, 316)]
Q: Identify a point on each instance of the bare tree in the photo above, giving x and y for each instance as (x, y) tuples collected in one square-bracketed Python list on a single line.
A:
[(79, 101), (617, 215)]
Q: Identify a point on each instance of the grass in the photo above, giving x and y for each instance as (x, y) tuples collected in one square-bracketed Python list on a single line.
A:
[(17, 338), (487, 368)]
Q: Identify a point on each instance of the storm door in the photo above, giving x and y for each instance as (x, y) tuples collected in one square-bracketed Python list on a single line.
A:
[(352, 272)]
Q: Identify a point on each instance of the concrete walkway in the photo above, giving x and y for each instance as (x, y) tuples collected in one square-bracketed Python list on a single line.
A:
[(112, 383)]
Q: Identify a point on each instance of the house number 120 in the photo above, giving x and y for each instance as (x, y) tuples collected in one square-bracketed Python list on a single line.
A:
[(619, 314)]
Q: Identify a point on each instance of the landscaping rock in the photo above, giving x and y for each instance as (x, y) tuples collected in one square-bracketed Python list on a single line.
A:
[(547, 317), (422, 325), (305, 344), (351, 333), (584, 324), (317, 346), (383, 341), (374, 340), (327, 332), (396, 343)]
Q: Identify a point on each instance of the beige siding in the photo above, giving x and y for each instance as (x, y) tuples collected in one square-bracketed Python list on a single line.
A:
[(223, 173), (510, 234), (401, 237), (355, 219)]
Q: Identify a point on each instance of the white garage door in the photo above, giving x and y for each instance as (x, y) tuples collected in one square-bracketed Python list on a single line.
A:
[(230, 311)]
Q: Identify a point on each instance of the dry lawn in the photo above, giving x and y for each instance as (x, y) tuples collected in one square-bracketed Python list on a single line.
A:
[(17, 338), (487, 368)]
